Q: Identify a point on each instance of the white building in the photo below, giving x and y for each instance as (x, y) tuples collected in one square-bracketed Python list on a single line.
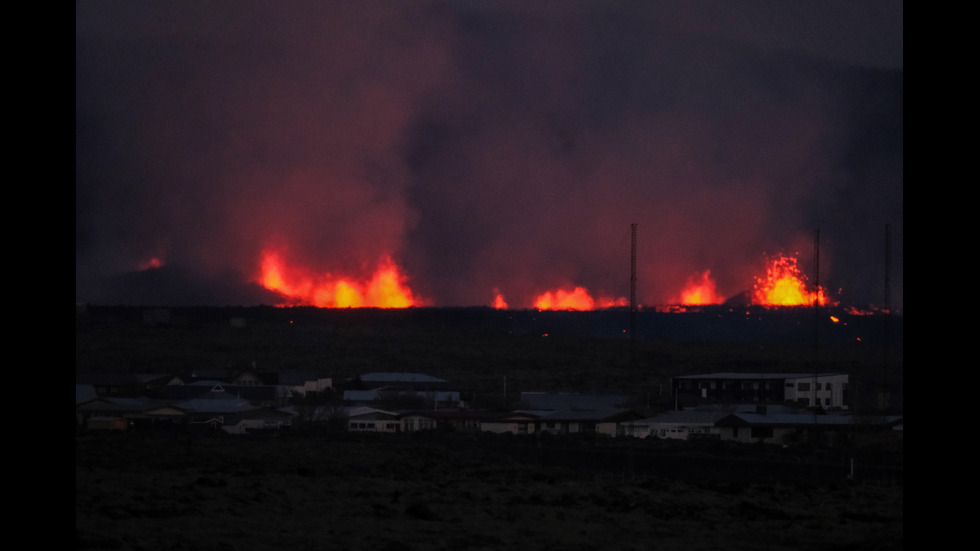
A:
[(824, 390)]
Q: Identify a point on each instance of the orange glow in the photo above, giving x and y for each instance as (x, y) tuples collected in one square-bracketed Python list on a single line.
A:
[(384, 289), (151, 264), (785, 285), (575, 299), (498, 300), (700, 290)]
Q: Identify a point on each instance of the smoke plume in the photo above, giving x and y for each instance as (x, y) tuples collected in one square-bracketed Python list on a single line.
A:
[(485, 146)]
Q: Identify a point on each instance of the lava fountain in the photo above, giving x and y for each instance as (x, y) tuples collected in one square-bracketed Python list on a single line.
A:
[(785, 285), (385, 288), (577, 298), (700, 290)]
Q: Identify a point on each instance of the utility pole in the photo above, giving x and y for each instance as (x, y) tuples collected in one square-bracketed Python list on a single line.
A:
[(632, 296), (883, 384), (816, 320)]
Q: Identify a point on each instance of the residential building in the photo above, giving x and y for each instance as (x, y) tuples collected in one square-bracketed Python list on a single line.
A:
[(820, 390)]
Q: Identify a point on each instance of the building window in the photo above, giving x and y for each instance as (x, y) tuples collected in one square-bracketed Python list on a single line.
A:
[(802, 386)]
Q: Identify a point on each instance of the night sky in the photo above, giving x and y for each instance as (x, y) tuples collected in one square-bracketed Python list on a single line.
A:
[(486, 145)]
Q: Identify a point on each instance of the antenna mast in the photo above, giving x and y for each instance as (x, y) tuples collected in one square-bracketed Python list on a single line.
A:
[(632, 292), (816, 320)]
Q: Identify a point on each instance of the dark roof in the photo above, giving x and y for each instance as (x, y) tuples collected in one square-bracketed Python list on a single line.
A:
[(728, 375), (466, 414), (396, 377), (571, 401), (804, 419)]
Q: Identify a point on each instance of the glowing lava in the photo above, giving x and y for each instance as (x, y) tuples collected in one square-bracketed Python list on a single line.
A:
[(785, 285), (384, 289), (574, 299), (151, 264), (498, 300), (700, 290)]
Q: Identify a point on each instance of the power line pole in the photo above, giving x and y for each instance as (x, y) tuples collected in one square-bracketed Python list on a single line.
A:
[(883, 397), (816, 320), (632, 295)]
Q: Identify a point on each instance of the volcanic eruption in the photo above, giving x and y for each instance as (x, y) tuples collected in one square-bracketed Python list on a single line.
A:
[(456, 154), (386, 286)]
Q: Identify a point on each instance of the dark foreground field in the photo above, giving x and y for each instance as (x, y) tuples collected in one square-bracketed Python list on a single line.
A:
[(458, 492)]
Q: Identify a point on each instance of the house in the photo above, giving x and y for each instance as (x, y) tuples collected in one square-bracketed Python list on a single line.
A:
[(514, 422), (821, 390), (698, 422), (301, 382), (395, 390), (445, 419), (571, 413), (126, 411), (467, 420), (784, 427), (368, 419), (395, 397), (233, 415), (605, 422), (677, 425)]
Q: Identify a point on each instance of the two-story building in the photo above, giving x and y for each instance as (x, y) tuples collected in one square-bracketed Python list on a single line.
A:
[(821, 390)]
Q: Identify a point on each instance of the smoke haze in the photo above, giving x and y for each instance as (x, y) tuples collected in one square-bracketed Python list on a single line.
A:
[(486, 145)]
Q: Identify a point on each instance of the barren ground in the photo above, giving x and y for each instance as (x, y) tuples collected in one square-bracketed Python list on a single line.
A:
[(457, 492)]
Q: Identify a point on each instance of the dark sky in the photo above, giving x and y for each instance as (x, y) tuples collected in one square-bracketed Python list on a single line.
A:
[(486, 145)]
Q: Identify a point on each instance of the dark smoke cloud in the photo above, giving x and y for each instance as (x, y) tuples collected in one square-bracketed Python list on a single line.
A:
[(486, 145)]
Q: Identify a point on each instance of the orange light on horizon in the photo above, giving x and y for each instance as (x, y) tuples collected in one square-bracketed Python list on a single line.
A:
[(785, 285), (385, 288), (151, 264), (700, 290), (498, 300), (574, 299)]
